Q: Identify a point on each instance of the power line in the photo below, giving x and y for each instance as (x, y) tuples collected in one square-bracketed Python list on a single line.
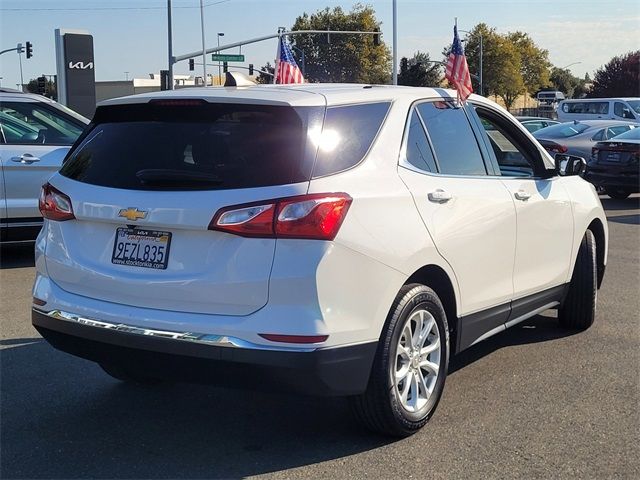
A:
[(87, 9)]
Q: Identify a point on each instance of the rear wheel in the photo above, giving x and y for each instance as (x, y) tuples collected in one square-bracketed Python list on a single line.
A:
[(579, 308), (126, 375), (617, 193), (410, 367)]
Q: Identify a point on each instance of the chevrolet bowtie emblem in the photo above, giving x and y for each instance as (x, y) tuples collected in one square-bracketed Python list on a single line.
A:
[(132, 214)]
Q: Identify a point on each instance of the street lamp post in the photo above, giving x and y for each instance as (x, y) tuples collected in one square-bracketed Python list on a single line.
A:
[(567, 66), (204, 48), (220, 34)]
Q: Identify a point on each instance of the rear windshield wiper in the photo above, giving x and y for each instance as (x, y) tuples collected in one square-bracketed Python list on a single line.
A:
[(168, 177)]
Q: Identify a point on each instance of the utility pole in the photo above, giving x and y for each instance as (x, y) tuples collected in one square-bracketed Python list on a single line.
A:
[(395, 42), (170, 46), (204, 48)]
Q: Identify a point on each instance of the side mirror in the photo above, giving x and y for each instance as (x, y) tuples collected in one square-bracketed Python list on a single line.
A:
[(567, 165)]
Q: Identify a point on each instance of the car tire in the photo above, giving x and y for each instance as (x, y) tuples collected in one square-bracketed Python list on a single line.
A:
[(617, 193), (125, 375), (578, 310), (400, 406)]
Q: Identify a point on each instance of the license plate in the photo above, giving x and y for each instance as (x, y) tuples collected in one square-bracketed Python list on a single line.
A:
[(141, 248), (613, 157)]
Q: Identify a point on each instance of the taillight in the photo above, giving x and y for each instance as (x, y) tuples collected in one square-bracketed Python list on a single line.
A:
[(315, 216), (55, 205), (558, 149)]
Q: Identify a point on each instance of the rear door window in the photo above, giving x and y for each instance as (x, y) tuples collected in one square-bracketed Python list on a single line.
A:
[(32, 123), (614, 131), (418, 152), (347, 135), (454, 143), (175, 146)]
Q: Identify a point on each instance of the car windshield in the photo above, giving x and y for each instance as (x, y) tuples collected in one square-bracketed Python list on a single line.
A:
[(635, 104), (562, 130), (633, 134)]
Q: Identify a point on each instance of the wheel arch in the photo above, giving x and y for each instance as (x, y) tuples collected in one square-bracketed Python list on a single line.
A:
[(436, 278), (597, 228)]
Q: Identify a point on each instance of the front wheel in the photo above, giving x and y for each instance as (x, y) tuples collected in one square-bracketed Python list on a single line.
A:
[(579, 308), (617, 193), (409, 371)]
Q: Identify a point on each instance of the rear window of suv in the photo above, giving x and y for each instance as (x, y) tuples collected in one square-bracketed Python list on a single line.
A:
[(193, 145)]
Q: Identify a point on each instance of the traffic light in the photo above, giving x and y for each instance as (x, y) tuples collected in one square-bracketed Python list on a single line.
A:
[(192, 64), (225, 67), (29, 50), (376, 38), (251, 69), (42, 85)]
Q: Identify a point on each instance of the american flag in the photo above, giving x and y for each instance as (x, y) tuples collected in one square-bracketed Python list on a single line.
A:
[(457, 71), (287, 70)]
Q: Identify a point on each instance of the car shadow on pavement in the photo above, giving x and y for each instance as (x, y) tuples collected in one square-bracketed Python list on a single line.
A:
[(19, 255), (626, 219), (533, 330), (610, 204), (62, 417)]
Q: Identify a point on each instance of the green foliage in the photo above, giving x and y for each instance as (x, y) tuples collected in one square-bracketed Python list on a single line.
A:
[(618, 78), (419, 71), (51, 89), (512, 63), (534, 61), (564, 81), (345, 58), (264, 78)]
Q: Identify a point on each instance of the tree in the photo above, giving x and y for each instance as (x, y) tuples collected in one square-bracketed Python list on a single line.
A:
[(534, 61), (264, 78), (509, 84), (618, 78), (512, 63), (564, 81), (343, 58), (50, 91), (419, 71)]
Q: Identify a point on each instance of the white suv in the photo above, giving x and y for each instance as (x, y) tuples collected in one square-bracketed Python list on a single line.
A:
[(326, 239)]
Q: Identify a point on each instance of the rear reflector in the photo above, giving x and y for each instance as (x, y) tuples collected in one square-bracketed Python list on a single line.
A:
[(39, 302), (273, 337), (314, 216), (55, 205)]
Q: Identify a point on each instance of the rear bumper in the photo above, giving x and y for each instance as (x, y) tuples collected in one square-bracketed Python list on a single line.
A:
[(326, 372)]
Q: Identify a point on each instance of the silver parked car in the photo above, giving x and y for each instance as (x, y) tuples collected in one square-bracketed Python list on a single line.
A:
[(35, 135), (578, 138)]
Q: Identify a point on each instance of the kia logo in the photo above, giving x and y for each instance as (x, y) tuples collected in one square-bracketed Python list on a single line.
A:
[(81, 65)]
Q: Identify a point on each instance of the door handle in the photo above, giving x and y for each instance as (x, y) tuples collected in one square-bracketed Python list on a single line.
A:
[(439, 196), (522, 195), (25, 158)]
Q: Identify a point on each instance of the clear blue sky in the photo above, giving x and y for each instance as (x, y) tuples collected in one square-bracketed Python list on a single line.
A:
[(134, 40)]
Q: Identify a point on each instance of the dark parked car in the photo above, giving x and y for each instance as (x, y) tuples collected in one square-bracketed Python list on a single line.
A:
[(615, 165), (533, 124), (578, 138)]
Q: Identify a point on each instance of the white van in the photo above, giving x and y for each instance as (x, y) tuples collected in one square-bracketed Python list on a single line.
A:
[(600, 108)]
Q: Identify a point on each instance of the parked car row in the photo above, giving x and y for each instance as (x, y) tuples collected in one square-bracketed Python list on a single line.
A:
[(35, 135), (617, 174)]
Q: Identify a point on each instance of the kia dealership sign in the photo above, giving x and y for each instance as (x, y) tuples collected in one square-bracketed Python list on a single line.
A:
[(76, 76)]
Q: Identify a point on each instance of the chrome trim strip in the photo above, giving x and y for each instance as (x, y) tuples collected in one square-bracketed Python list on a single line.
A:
[(203, 338)]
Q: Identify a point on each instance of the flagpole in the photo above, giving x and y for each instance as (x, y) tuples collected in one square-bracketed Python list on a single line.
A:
[(275, 69), (395, 42)]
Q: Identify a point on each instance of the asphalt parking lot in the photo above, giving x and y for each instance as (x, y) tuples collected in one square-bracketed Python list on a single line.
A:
[(532, 402)]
